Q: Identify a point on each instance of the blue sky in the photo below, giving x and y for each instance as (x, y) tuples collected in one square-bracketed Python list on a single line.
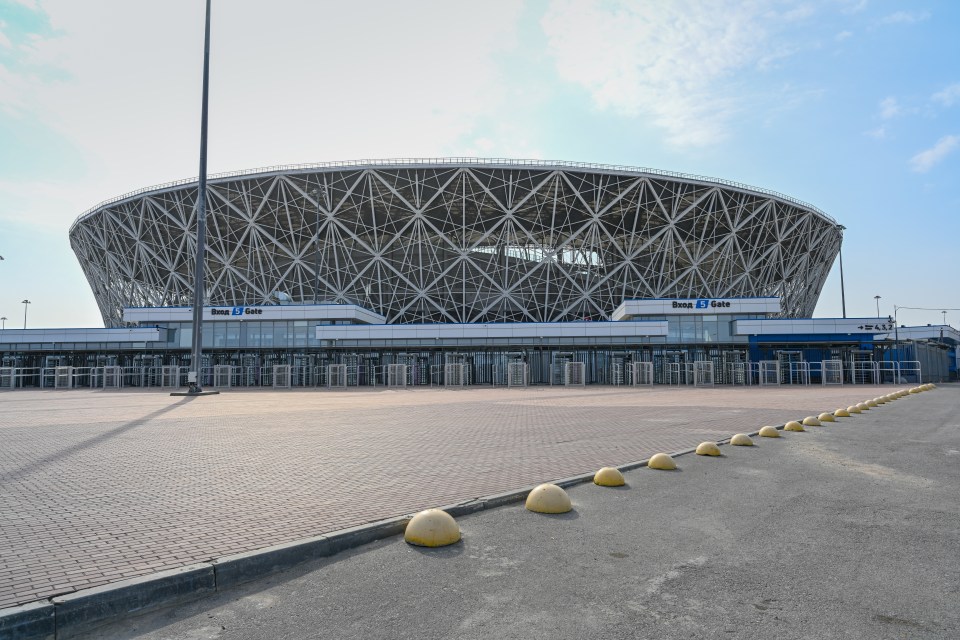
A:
[(851, 105)]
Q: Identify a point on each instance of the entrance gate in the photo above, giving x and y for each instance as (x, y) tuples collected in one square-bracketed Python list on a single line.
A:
[(703, 373), (337, 376), (769, 373), (397, 375), (831, 372), (573, 374), (643, 374), (518, 374)]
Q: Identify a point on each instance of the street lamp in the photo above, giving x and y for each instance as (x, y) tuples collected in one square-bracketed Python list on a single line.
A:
[(4, 318), (877, 298), (944, 317), (25, 303)]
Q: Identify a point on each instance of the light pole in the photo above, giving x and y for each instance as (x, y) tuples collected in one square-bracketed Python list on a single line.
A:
[(25, 303), (4, 319), (877, 298), (193, 376), (944, 317)]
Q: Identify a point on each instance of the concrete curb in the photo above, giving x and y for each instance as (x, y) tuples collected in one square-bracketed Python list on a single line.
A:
[(81, 611), (73, 614), (28, 621)]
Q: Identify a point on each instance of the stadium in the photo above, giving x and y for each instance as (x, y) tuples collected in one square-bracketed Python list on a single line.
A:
[(462, 272), (458, 241)]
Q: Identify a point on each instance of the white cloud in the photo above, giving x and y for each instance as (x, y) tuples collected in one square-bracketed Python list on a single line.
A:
[(949, 96), (843, 35), (889, 108), (925, 160), (853, 6), (905, 17), (879, 133), (29, 4), (672, 62), (293, 84)]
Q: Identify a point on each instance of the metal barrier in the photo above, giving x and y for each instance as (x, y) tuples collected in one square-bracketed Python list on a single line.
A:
[(63, 378), (8, 377), (170, 376), (671, 374), (769, 373), (909, 368), (738, 373), (397, 375), (518, 374), (643, 374), (573, 374), (863, 371), (223, 376), (616, 374), (831, 372), (281, 376), (454, 374), (336, 376), (798, 372), (703, 373)]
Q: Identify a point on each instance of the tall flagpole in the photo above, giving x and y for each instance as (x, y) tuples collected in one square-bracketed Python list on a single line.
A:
[(198, 272)]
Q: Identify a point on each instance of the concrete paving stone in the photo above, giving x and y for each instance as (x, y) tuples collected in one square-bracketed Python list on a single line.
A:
[(120, 484), (844, 533)]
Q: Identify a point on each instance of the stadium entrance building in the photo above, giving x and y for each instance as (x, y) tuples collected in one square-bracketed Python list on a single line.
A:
[(465, 271), (703, 342)]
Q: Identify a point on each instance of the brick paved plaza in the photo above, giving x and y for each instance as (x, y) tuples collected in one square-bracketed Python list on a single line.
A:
[(99, 486)]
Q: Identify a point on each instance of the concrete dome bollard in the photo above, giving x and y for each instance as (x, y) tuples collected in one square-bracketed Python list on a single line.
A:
[(854, 409), (826, 417), (548, 498), (841, 413), (708, 449), (769, 432), (863, 406), (661, 461), (609, 477), (432, 528), (811, 421), (741, 440), (915, 390), (872, 404), (793, 425)]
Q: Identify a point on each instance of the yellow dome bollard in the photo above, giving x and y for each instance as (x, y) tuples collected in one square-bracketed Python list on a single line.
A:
[(811, 421), (841, 413), (880, 400), (432, 528), (708, 449), (548, 498), (854, 409), (826, 417), (661, 461), (914, 390), (741, 440), (609, 477), (769, 432), (793, 425), (863, 406), (872, 404)]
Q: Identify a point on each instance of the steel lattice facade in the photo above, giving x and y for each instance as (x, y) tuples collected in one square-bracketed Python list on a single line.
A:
[(458, 241)]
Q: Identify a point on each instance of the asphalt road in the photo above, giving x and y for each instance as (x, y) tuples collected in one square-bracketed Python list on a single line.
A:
[(847, 531)]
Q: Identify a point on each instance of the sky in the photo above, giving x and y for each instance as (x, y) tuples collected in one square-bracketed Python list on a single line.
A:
[(851, 105)]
